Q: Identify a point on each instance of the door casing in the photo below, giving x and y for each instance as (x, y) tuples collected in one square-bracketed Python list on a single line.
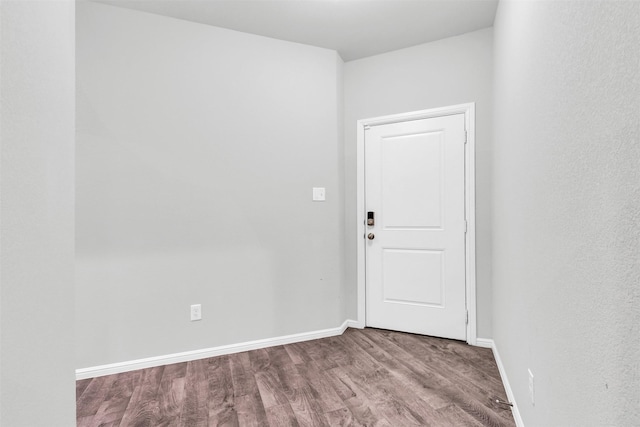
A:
[(468, 110)]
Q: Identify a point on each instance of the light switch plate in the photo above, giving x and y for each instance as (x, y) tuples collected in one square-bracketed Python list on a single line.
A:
[(318, 194)]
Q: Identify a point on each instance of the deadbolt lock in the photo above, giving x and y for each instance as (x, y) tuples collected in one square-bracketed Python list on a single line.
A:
[(371, 236)]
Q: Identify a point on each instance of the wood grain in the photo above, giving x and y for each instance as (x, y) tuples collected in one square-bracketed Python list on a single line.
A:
[(367, 377)]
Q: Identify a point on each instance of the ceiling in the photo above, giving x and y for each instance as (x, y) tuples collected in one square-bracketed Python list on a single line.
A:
[(354, 28)]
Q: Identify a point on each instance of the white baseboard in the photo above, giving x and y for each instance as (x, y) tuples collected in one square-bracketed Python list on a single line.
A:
[(489, 343), (484, 342), (150, 362), (355, 324)]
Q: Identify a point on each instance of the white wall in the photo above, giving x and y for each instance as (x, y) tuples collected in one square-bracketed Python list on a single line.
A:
[(447, 72), (567, 208), (36, 213), (197, 149)]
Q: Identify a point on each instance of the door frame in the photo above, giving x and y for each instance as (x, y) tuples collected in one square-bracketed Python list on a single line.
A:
[(468, 110)]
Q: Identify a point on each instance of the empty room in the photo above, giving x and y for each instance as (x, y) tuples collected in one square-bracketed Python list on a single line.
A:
[(319, 212)]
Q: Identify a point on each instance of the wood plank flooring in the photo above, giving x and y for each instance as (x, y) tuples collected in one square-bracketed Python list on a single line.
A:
[(367, 377)]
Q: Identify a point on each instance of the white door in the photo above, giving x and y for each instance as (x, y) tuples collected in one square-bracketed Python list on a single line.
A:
[(415, 250)]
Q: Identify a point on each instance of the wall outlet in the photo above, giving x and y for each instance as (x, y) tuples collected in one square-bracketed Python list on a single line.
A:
[(196, 312), (532, 393)]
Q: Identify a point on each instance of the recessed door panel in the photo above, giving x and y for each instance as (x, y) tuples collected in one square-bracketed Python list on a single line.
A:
[(411, 276), (412, 180)]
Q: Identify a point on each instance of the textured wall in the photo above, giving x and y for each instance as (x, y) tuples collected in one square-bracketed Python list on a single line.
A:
[(447, 72), (567, 209), (36, 213), (197, 149)]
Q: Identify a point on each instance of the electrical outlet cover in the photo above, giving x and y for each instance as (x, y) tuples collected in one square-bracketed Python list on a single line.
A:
[(196, 312), (531, 388)]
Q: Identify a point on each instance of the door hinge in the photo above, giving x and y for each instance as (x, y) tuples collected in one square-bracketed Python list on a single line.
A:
[(466, 317), (465, 226), (465, 136)]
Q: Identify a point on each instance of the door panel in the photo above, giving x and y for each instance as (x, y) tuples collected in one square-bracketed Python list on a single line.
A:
[(415, 264), (412, 276), (402, 178)]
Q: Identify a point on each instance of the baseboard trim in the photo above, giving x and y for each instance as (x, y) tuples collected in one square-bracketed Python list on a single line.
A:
[(484, 342), (355, 324), (150, 362), (489, 343)]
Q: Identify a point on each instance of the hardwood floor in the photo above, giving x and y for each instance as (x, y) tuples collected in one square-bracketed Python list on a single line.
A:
[(361, 378)]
